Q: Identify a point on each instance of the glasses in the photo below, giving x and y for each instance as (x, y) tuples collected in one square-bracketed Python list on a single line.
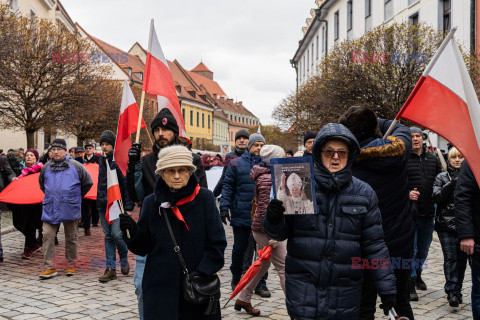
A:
[(342, 154), (172, 172)]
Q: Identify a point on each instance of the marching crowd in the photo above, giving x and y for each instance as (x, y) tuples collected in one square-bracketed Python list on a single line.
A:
[(379, 200)]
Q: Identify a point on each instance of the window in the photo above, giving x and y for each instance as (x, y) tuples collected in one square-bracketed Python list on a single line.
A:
[(308, 60), (349, 15), (323, 40), (412, 2), (183, 114), (203, 120), (317, 47), (191, 117), (208, 122), (33, 14), (413, 19), (447, 11), (368, 8), (336, 26), (388, 9), (198, 119), (303, 63)]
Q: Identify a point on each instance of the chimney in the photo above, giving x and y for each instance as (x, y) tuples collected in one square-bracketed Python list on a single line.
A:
[(229, 100), (240, 103), (215, 96), (221, 98)]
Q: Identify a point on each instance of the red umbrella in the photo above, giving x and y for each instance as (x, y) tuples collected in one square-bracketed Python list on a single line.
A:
[(26, 190), (264, 255)]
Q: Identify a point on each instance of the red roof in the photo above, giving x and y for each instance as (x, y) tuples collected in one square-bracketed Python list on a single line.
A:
[(200, 68), (211, 86), (180, 79)]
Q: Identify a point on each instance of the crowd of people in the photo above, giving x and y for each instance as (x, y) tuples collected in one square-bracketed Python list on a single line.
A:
[(379, 200)]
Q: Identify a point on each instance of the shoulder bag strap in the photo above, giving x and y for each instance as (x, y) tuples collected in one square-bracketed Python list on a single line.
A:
[(176, 248)]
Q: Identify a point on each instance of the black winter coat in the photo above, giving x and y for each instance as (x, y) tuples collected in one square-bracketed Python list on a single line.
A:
[(383, 165), (229, 157), (202, 247), (6, 172), (84, 160), (321, 282), (15, 165), (422, 171), (443, 196), (467, 205)]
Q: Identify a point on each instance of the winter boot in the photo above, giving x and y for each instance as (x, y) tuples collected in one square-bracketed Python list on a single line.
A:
[(109, 275), (413, 292), (419, 282)]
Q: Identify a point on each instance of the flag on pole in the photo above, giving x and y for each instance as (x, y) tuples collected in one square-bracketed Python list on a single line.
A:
[(113, 195), (445, 102), (127, 124), (158, 80)]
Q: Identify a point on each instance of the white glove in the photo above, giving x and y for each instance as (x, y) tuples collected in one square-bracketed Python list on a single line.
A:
[(273, 243)]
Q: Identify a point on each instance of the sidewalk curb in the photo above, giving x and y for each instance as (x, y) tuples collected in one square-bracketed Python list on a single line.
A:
[(8, 230)]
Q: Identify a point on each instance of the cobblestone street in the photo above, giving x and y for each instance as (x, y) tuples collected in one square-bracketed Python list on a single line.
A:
[(24, 296)]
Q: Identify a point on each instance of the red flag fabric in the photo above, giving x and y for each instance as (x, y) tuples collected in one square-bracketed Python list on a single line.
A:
[(444, 101), (264, 255), (26, 190), (127, 124), (158, 80), (113, 195)]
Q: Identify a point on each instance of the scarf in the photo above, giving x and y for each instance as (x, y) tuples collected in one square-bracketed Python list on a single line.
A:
[(185, 200)]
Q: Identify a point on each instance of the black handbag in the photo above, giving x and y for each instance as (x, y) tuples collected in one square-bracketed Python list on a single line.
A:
[(197, 289)]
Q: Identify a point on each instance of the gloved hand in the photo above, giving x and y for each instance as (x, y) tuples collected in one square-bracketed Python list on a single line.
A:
[(134, 153), (224, 215), (388, 302), (275, 211), (273, 243), (127, 223)]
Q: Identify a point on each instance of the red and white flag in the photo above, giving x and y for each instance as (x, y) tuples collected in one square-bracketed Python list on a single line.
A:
[(127, 124), (113, 195), (158, 80), (445, 102)]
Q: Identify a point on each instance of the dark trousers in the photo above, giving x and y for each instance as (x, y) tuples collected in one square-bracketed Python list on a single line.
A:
[(369, 295), (88, 210), (240, 244), (454, 263), (27, 219)]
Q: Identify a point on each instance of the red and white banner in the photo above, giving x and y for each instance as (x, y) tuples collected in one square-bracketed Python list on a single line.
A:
[(127, 124), (158, 80), (113, 195), (445, 102)]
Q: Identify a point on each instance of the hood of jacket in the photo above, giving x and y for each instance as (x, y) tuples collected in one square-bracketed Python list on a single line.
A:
[(257, 171), (323, 177), (251, 158)]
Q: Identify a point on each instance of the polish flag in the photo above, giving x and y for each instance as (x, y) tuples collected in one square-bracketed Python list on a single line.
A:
[(158, 80), (445, 102), (113, 195), (127, 124)]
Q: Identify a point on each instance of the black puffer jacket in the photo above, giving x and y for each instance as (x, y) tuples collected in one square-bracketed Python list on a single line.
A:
[(236, 153), (6, 172), (422, 170), (443, 189), (467, 205), (321, 281)]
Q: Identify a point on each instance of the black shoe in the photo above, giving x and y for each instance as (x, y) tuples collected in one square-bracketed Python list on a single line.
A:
[(413, 292), (234, 283), (263, 292), (453, 300), (420, 284)]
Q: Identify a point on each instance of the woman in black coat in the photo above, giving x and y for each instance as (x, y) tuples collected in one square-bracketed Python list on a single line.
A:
[(200, 236), (455, 260)]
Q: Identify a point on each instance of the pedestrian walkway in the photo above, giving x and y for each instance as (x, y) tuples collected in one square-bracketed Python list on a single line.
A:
[(24, 296)]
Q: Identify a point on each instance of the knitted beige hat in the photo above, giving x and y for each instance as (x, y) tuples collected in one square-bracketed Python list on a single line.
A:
[(174, 156), (269, 151)]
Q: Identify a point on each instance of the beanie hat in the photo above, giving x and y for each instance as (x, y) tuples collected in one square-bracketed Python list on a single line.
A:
[(79, 149), (309, 135), (362, 122), (290, 152), (108, 137), (166, 120), (242, 133), (174, 156), (419, 131), (89, 144), (35, 153), (254, 137), (59, 143), (270, 151)]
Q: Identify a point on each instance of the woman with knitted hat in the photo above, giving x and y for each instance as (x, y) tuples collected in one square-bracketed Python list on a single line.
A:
[(261, 174), (196, 225), (27, 217)]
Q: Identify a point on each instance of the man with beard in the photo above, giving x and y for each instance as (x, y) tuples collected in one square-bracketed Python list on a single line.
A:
[(141, 176)]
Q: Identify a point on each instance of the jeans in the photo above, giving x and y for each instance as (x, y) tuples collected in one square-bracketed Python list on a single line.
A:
[(423, 239), (113, 239), (137, 282), (454, 263)]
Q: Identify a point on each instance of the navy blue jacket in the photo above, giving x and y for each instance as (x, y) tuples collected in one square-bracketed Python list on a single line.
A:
[(321, 280), (383, 165), (102, 184), (228, 157), (202, 248), (238, 189)]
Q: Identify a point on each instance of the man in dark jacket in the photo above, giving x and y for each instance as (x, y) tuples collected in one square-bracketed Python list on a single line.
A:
[(237, 195), (241, 142), (326, 251), (89, 207), (113, 235), (308, 142), (467, 223), (6, 176), (382, 164), (14, 163), (422, 168)]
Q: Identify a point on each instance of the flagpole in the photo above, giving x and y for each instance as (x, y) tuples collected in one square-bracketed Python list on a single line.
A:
[(139, 124)]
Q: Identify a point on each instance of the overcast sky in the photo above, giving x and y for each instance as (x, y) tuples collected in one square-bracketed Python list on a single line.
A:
[(247, 44)]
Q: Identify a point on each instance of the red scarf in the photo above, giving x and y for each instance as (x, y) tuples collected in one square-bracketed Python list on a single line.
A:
[(175, 209)]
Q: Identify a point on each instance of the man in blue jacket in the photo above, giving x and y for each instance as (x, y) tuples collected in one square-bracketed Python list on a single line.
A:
[(237, 195)]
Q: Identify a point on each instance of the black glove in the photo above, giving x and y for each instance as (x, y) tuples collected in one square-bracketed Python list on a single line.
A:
[(275, 211), (134, 153), (224, 215), (127, 223), (388, 302)]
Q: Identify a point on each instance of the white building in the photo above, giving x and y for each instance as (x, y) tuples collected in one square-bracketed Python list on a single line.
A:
[(334, 21)]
